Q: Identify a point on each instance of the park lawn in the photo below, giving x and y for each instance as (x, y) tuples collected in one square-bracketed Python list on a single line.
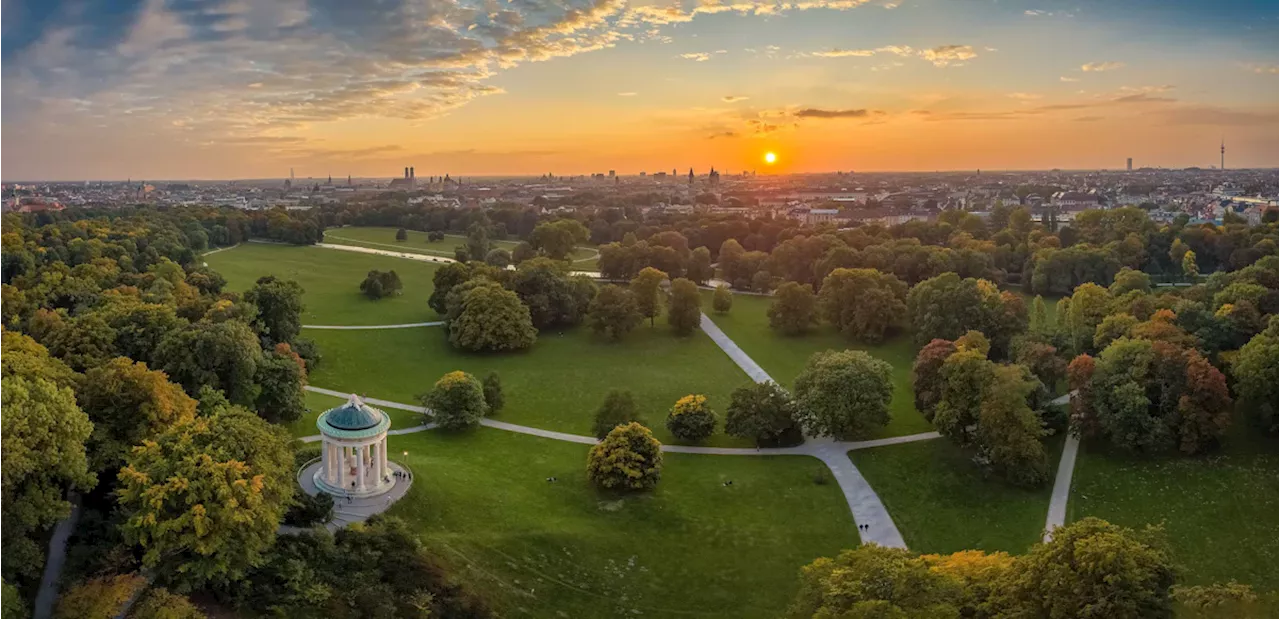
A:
[(691, 548), (378, 237), (556, 385), (1218, 511), (783, 357), (941, 502), (318, 403), (331, 281)]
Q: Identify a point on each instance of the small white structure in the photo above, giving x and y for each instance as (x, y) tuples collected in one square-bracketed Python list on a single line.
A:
[(353, 453)]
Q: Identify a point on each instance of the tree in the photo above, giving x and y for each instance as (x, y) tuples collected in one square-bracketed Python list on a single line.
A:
[(732, 265), (279, 304), (498, 257), (478, 240), (402, 235), (203, 499), (128, 403), (1039, 324), (523, 251), (843, 394), (613, 312), (1088, 307), (489, 318), (794, 309), (443, 281), (863, 304), (435, 236), (1009, 431), (378, 284), (762, 282), (104, 597), (874, 581), (628, 458), (699, 269), (966, 375), (1255, 371), (945, 307), (1112, 328), (556, 239), (685, 313), (1090, 568), (281, 377), (618, 409), (927, 381), (554, 298), (646, 287), (762, 412), (43, 456), (457, 401), (1189, 267), (722, 299), (691, 418), (222, 355), (1043, 361), (493, 397), (1127, 280), (1204, 409)]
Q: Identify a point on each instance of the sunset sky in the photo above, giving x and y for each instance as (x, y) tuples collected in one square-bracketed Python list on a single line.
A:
[(188, 89)]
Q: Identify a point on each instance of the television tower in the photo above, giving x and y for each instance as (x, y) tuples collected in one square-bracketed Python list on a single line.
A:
[(1222, 155)]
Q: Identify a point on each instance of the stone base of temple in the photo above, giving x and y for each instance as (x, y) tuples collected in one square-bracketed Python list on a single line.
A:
[(318, 482)]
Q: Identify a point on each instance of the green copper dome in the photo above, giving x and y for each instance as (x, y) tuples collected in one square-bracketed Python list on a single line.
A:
[(352, 416)]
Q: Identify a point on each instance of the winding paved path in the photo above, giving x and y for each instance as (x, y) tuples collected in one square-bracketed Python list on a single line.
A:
[(407, 325), (57, 557), (1062, 481)]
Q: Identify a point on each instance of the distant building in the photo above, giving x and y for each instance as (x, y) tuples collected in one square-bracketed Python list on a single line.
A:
[(1129, 164), (1074, 200), (407, 182)]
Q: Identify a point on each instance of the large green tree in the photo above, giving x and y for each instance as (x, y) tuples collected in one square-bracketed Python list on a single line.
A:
[(1255, 372), (762, 412), (489, 318), (203, 499), (443, 281), (647, 288), (279, 304), (794, 309), (43, 457), (947, 306), (863, 304), (843, 394), (554, 298), (685, 313), (457, 401), (281, 377), (556, 239), (613, 312), (222, 355)]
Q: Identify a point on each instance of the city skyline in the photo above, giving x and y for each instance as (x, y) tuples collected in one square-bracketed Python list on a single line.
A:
[(223, 90)]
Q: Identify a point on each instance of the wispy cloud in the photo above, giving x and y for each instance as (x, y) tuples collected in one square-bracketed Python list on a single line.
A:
[(696, 56), (1025, 96), (821, 113), (1068, 79), (1101, 66), (941, 56), (627, 94), (1261, 69), (733, 98)]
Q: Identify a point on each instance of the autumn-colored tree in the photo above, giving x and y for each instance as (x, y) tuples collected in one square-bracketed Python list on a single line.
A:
[(1084, 420), (691, 418), (1043, 361), (628, 458), (1112, 328), (203, 499), (1190, 269), (1087, 309), (103, 597), (1204, 409), (128, 403), (874, 581), (926, 375)]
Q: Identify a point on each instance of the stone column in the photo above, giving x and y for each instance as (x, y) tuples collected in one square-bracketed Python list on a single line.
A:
[(342, 465), (325, 461), (360, 467), (382, 451)]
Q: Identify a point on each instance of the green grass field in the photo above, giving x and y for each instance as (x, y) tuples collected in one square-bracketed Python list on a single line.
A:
[(385, 238), (692, 548), (942, 503), (331, 279), (747, 323), (557, 384), (1218, 511)]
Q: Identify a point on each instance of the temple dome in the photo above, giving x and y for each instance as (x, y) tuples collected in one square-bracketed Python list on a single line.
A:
[(353, 417)]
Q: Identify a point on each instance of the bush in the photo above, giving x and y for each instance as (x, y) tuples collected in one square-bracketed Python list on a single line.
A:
[(618, 409), (379, 284), (308, 350), (461, 254), (493, 392), (435, 236), (722, 299), (402, 235), (691, 419), (628, 458), (457, 400), (308, 510)]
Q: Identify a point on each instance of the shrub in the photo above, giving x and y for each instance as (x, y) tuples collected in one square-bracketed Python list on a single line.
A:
[(691, 419), (628, 458), (722, 299), (378, 284), (402, 234), (618, 409), (493, 392), (308, 510), (457, 400)]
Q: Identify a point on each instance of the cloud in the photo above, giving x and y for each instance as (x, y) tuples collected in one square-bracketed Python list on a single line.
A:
[(1101, 66), (948, 55), (1261, 69), (1143, 98), (1037, 13), (941, 56), (1024, 96), (1068, 79), (733, 98), (1087, 119), (820, 113), (696, 56), (723, 134), (626, 94), (1217, 116)]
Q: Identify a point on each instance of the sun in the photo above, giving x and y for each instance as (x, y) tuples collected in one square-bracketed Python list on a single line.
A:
[(770, 157)]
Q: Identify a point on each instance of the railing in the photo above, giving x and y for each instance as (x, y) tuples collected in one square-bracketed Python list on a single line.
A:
[(302, 468)]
